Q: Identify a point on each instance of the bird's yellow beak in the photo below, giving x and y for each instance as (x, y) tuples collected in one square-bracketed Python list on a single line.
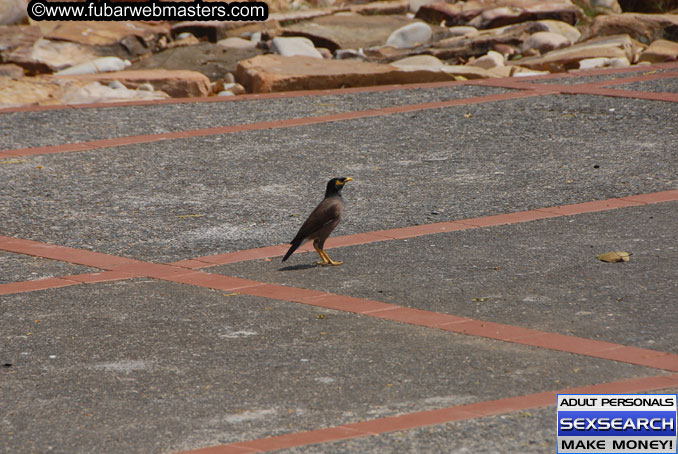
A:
[(348, 179)]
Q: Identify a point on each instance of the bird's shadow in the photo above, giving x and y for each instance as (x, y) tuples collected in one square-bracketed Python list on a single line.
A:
[(297, 267)]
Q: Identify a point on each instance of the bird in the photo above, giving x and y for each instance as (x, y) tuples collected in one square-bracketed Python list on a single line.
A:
[(322, 220)]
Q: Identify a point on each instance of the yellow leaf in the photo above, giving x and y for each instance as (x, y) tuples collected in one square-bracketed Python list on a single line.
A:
[(468, 115), (614, 256)]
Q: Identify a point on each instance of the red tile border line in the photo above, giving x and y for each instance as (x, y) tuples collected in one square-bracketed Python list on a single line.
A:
[(339, 91), (287, 123), (525, 88), (434, 417), (439, 227), (124, 268), (63, 281)]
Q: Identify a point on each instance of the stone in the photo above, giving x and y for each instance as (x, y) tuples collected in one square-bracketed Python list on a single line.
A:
[(210, 59), (122, 39), (47, 56), (12, 12), (492, 59), (30, 91), (272, 73), (11, 70), (348, 31), (235, 42), (562, 28), (414, 5), (15, 36), (411, 35), (645, 28), (94, 92), (621, 46), (463, 30), (381, 8), (100, 65), (648, 6), (545, 42), (214, 31), (496, 13), (660, 51), (185, 39), (421, 61), (177, 83), (602, 62), (294, 46), (464, 47)]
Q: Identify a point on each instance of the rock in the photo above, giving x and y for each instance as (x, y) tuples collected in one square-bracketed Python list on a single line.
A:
[(381, 8), (411, 35), (648, 6), (420, 61), (463, 30), (15, 36), (184, 39), (210, 59), (562, 28), (271, 73), (95, 92), (602, 62), (660, 51), (214, 31), (177, 83), (606, 6), (295, 46), (108, 38), (348, 31), (545, 42), (492, 59), (11, 70), (47, 56), (414, 5), (621, 46), (100, 65), (464, 47), (30, 91), (12, 12), (645, 28), (496, 13), (236, 43)]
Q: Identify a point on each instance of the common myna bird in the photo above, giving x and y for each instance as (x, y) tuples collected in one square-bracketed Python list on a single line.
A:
[(322, 221)]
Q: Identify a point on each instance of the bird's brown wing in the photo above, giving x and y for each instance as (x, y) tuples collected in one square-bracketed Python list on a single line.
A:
[(321, 221)]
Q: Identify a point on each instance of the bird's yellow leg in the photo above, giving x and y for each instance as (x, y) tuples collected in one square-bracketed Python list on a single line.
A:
[(321, 253), (329, 260)]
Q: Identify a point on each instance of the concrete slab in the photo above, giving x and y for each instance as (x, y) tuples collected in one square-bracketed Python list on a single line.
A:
[(33, 129), (542, 275), (531, 432), (180, 199), (19, 267), (139, 366), (668, 85)]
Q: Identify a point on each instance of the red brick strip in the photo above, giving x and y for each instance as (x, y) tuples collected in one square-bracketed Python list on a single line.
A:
[(62, 253), (436, 320), (62, 281), (146, 138), (434, 417), (439, 227)]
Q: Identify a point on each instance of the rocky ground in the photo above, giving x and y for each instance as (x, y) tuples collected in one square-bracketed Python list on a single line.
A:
[(325, 45)]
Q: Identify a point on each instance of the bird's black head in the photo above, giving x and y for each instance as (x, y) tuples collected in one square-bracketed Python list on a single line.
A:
[(335, 185)]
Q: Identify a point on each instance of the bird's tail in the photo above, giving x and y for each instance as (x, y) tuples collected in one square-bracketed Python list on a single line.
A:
[(294, 247)]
